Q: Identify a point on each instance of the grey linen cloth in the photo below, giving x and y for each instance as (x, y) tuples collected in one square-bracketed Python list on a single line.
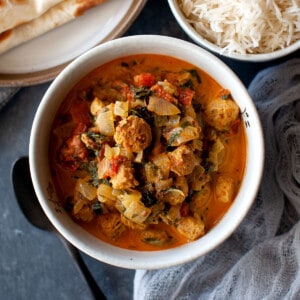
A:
[(261, 260), (6, 94)]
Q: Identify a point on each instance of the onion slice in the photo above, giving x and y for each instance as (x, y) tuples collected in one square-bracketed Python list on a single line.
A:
[(162, 107)]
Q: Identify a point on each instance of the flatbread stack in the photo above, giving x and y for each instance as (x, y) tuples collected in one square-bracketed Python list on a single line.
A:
[(23, 20)]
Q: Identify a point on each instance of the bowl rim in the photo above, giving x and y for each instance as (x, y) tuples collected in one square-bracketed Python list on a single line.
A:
[(39, 141), (201, 41)]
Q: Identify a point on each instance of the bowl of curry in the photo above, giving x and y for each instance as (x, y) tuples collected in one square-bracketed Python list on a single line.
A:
[(146, 152)]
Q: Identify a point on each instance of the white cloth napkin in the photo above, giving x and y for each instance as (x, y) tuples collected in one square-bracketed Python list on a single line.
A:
[(6, 93), (261, 260)]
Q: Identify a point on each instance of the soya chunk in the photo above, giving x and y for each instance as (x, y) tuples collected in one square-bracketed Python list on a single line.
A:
[(224, 188), (182, 160), (134, 134), (111, 224), (221, 113), (191, 227), (124, 178)]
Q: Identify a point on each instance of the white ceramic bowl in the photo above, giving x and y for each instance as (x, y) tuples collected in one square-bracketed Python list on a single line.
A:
[(39, 141), (200, 40)]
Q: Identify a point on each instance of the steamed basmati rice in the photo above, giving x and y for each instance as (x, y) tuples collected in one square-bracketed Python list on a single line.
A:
[(245, 26)]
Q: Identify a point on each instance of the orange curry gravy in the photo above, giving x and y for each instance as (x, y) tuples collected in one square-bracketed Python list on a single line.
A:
[(186, 195)]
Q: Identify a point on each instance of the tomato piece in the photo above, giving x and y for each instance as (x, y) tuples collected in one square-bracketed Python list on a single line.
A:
[(124, 89), (73, 151), (114, 165), (79, 128), (144, 80), (161, 93), (101, 153), (79, 111), (184, 209), (185, 96)]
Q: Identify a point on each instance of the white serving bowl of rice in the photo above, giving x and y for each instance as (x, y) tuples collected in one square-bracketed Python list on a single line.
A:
[(254, 31)]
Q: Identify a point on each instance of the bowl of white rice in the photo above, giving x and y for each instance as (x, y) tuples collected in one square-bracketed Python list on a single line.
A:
[(257, 30)]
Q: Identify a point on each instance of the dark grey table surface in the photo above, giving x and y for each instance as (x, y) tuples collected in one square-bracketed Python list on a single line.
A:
[(34, 263)]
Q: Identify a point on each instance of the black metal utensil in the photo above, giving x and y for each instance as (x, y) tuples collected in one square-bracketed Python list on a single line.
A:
[(34, 213)]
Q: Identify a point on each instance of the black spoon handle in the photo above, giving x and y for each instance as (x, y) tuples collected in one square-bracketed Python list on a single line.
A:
[(34, 213), (87, 276)]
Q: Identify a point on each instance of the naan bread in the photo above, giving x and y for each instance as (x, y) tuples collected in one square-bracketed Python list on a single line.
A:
[(17, 12), (57, 15)]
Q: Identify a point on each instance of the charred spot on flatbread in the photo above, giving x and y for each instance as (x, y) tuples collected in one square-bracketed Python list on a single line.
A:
[(84, 5), (5, 35)]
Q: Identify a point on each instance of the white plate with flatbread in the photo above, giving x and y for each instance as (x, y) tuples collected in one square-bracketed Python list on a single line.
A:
[(42, 58)]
